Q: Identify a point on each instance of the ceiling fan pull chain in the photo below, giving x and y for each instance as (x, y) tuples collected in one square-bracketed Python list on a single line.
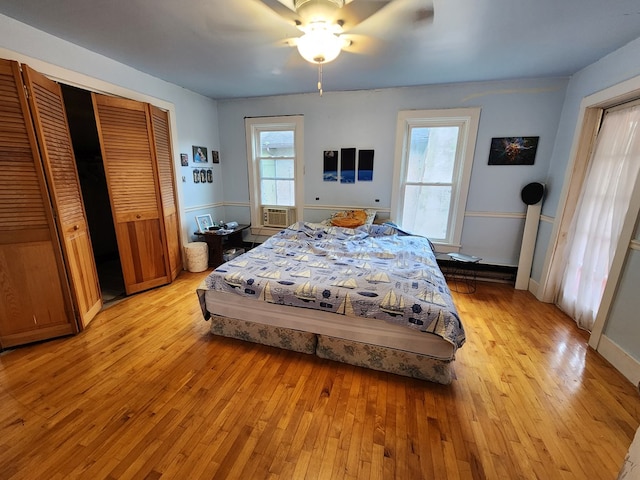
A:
[(320, 78)]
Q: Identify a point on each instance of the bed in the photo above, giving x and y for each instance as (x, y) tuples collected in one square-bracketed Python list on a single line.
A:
[(370, 296)]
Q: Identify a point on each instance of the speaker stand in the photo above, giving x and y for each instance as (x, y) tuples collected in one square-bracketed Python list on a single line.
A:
[(528, 246)]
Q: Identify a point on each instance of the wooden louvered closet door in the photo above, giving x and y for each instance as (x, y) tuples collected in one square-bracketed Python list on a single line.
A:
[(162, 140), (35, 301), (52, 131), (124, 128)]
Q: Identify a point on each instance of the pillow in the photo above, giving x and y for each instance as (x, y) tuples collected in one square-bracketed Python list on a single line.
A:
[(353, 218), (371, 216)]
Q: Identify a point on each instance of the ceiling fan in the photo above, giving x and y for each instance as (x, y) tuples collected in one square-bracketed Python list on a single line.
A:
[(325, 22)]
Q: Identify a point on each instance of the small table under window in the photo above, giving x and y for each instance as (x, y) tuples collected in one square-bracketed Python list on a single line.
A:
[(463, 272)]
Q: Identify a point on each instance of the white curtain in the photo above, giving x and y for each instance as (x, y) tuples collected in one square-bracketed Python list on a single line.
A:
[(600, 212)]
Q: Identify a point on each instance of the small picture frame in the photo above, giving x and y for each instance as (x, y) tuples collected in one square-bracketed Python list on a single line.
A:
[(215, 157), (204, 222), (330, 166), (199, 154), (184, 159)]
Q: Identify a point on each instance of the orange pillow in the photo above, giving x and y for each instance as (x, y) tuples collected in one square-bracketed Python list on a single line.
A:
[(349, 218)]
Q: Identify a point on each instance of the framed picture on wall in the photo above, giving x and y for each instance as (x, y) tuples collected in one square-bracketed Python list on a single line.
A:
[(513, 150), (365, 165), (199, 154), (348, 165), (184, 159), (215, 157), (330, 166)]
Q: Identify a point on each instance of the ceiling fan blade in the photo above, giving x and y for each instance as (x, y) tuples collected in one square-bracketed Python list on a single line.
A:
[(359, 10), (361, 44), (399, 18), (282, 10), (423, 15)]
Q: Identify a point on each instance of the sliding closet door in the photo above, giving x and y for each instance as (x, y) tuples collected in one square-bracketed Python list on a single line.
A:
[(124, 128), (52, 131), (35, 302), (162, 140)]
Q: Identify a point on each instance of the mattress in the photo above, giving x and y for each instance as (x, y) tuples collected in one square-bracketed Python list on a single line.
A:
[(379, 333)]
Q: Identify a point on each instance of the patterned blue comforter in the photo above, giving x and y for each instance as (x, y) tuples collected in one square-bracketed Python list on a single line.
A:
[(373, 271)]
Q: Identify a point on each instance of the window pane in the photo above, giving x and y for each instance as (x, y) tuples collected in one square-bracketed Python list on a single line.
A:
[(276, 143), (268, 168), (285, 193), (426, 210), (432, 154), (277, 192), (268, 192), (284, 168)]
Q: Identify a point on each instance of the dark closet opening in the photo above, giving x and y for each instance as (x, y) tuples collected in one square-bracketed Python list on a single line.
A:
[(93, 183)]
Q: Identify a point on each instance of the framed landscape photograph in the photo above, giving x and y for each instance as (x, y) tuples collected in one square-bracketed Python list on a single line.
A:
[(513, 150)]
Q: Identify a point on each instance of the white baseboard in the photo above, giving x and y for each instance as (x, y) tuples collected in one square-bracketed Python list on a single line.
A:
[(621, 360)]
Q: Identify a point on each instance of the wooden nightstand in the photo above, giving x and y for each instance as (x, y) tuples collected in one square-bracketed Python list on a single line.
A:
[(219, 240)]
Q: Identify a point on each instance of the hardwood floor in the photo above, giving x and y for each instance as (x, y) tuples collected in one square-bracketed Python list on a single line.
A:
[(147, 392)]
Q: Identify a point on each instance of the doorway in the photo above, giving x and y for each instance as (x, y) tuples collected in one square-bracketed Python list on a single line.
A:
[(602, 207), (95, 193)]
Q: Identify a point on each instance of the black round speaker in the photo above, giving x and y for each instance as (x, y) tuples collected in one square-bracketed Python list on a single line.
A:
[(532, 193)]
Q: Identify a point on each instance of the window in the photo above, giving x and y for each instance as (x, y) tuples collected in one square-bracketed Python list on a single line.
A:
[(434, 154), (274, 151)]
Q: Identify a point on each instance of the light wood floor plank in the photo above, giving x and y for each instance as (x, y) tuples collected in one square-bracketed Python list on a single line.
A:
[(147, 392)]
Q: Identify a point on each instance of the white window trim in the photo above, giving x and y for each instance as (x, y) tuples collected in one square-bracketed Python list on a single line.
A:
[(253, 125), (468, 119)]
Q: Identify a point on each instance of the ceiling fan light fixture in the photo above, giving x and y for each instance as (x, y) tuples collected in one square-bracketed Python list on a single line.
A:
[(319, 44)]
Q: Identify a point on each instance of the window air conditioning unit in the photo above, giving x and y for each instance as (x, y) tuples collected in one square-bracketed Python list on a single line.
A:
[(278, 216)]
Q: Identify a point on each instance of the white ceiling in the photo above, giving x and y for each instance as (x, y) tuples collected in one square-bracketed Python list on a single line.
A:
[(236, 48)]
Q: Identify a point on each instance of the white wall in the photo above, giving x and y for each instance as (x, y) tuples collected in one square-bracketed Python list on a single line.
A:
[(367, 119), (194, 117), (622, 326)]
